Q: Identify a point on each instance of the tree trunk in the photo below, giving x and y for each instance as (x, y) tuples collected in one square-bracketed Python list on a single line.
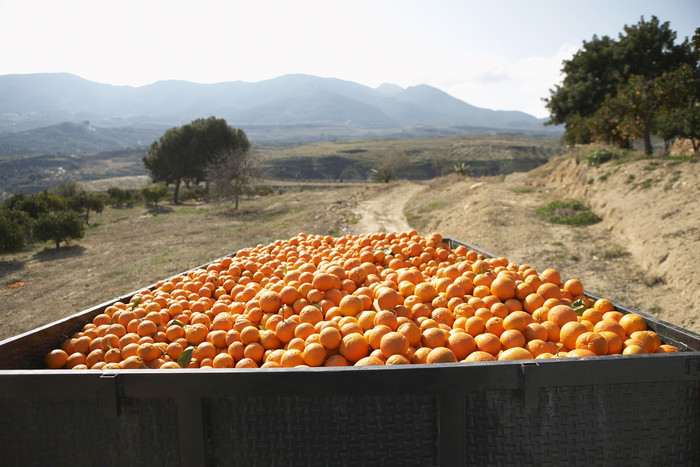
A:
[(58, 245), (87, 215), (647, 140), (177, 190)]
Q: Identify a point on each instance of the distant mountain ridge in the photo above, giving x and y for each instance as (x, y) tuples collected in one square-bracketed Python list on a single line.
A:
[(38, 100)]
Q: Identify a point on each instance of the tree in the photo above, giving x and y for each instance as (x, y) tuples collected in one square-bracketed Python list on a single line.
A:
[(37, 204), (84, 201), (184, 153), (610, 91), (14, 228), (232, 172), (679, 116), (60, 226), (118, 196), (67, 189), (154, 193)]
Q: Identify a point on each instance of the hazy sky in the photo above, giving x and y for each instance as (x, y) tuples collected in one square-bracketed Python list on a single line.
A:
[(500, 54)]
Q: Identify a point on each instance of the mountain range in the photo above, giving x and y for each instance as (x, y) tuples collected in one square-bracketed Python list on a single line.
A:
[(30, 101)]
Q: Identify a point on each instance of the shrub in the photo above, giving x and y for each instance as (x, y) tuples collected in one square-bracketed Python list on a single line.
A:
[(570, 212), (14, 228), (192, 194), (117, 196), (58, 227), (154, 193), (600, 156)]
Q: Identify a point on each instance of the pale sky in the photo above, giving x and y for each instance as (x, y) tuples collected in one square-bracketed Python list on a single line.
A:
[(500, 54)]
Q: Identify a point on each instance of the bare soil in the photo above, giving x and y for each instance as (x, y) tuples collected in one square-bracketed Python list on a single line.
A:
[(644, 253)]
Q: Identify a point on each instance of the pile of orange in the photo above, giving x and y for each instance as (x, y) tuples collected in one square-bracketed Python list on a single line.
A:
[(375, 299)]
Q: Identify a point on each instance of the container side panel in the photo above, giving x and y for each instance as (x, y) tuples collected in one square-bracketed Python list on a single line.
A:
[(651, 423), (71, 432), (383, 430)]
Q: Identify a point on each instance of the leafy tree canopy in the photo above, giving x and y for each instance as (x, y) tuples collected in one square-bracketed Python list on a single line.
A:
[(617, 91), (184, 153)]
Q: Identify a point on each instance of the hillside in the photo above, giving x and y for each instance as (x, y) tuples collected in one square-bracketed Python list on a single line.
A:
[(35, 100), (644, 253), (414, 158)]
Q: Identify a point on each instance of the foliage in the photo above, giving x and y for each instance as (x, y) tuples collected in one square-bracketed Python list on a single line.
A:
[(183, 154), (37, 204), (601, 156), (66, 189), (14, 229), (383, 174), (570, 212), (60, 226), (194, 193), (460, 168), (84, 201), (154, 193), (617, 91), (118, 196)]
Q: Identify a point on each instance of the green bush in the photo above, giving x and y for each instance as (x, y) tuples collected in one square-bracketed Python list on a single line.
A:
[(154, 193), (117, 196), (570, 212), (192, 194), (601, 156), (58, 227), (14, 228), (383, 174)]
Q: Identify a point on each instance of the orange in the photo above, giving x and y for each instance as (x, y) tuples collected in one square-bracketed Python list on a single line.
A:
[(561, 314), (592, 341), (461, 344), (574, 287), (354, 347), (577, 353), (441, 355), (603, 305), (515, 353), (55, 359), (610, 325), (535, 331), (549, 290), (330, 338), (480, 356), (632, 322), (666, 348), (350, 305), (369, 361), (512, 338), (503, 287), (434, 337), (613, 340), (488, 342), (397, 359), (569, 333), (314, 354), (222, 360), (425, 292), (393, 343), (552, 276), (537, 347)]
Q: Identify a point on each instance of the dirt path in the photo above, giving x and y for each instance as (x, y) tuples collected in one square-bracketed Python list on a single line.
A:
[(382, 210)]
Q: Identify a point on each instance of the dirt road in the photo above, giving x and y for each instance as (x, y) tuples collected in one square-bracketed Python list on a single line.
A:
[(383, 209)]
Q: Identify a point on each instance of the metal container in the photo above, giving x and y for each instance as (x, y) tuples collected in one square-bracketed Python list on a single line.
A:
[(615, 410)]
